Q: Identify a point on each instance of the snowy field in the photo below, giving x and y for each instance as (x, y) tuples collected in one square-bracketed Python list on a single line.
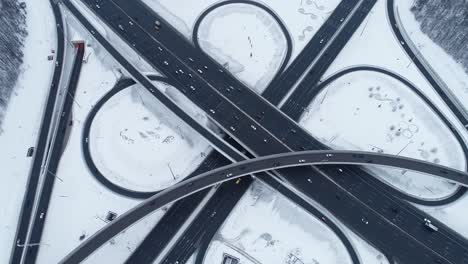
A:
[(378, 113), (23, 118), (452, 73), (136, 146)]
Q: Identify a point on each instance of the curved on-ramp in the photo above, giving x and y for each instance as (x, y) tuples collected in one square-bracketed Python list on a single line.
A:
[(98, 175), (244, 168)]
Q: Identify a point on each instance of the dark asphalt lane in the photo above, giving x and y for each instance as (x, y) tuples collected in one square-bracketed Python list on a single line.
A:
[(41, 149), (279, 161)]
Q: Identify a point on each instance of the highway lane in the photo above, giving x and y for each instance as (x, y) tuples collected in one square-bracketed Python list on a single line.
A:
[(447, 97), (272, 162), (41, 150), (173, 67)]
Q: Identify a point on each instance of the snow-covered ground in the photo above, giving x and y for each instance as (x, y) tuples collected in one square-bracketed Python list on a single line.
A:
[(265, 227), (254, 41), (451, 72), (379, 113), (23, 118), (136, 146)]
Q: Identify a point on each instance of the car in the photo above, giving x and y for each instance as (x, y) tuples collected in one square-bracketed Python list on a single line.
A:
[(157, 24), (430, 226)]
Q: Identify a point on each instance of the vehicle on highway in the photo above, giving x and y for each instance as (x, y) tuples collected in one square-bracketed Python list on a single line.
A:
[(430, 226), (157, 24)]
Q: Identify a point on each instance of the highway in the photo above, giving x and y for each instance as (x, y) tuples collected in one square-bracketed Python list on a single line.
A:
[(274, 93), (227, 100), (272, 162), (41, 151), (424, 68)]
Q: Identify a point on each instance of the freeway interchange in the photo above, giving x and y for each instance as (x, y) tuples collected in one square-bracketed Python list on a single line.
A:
[(285, 157)]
